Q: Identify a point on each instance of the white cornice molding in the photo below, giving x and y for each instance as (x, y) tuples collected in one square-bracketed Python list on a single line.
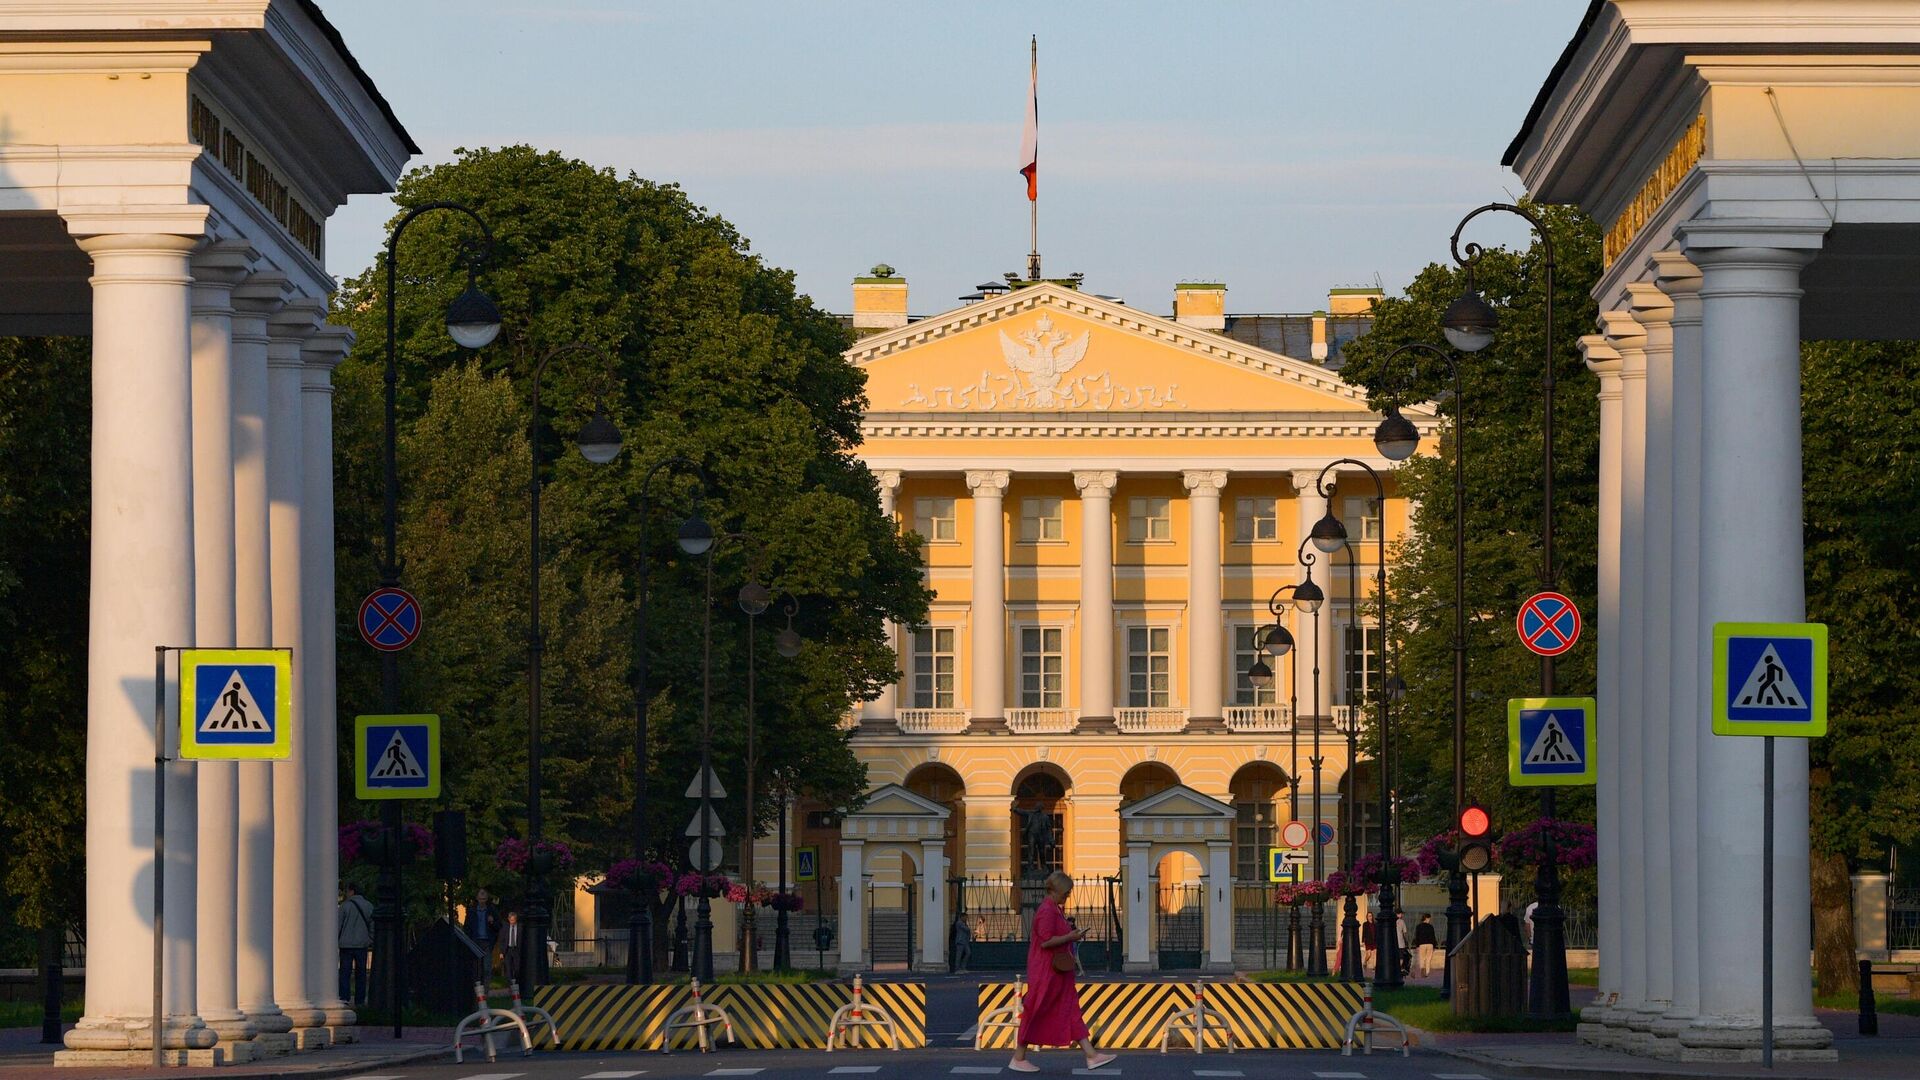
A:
[(951, 426)]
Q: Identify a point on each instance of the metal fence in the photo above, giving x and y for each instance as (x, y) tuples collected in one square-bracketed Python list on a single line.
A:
[(1903, 918), (998, 913)]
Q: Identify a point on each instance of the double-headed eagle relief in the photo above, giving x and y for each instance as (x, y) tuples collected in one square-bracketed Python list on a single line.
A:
[(1044, 355)]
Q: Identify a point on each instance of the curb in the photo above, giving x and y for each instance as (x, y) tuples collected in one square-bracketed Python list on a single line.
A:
[(1635, 1071), (327, 1071)]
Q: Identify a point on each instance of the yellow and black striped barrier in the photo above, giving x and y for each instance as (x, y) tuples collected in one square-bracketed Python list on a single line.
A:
[(1261, 1016), (765, 1016)]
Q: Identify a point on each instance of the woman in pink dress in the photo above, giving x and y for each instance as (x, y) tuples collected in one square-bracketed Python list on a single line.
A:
[(1050, 1014)]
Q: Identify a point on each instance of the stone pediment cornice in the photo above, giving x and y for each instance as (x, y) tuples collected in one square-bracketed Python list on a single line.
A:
[(1200, 343), (1099, 425)]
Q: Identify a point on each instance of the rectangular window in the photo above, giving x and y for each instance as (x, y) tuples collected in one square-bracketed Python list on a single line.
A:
[(1149, 667), (1042, 668), (1149, 518), (1361, 515), (933, 667), (1040, 520), (1254, 833), (1256, 518), (933, 519), (1244, 654), (1361, 663)]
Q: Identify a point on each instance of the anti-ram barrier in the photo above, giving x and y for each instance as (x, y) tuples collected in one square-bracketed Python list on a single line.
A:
[(765, 1017), (1261, 1016)]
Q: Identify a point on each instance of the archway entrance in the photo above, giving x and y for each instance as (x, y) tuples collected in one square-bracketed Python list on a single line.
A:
[(1179, 912), (1039, 823), (937, 782)]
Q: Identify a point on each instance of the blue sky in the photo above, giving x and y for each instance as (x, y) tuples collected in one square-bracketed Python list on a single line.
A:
[(1282, 146)]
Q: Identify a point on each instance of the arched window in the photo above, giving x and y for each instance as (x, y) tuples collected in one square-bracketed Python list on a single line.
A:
[(1257, 790), (1041, 849)]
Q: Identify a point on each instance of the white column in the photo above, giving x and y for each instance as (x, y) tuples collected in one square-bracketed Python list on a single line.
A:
[(1206, 666), (141, 596), (1654, 312), (989, 615), (1637, 1005), (319, 736), (1751, 569), (1687, 723), (216, 270), (1316, 638), (1219, 905), (1599, 1022), (1137, 880), (253, 302), (294, 903), (853, 899), (1096, 593), (932, 884), (887, 706)]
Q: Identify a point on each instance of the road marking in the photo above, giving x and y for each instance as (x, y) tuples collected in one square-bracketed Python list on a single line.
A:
[(844, 1069), (977, 1070), (1096, 1072), (1218, 1072), (492, 1076), (1459, 1076), (615, 1075), (393, 1076), (1341, 1076), (735, 1072), (967, 1035)]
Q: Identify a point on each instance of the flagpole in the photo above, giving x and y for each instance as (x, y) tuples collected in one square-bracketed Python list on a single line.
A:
[(1033, 200)]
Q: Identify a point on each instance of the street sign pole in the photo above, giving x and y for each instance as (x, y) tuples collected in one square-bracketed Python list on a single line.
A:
[(159, 833), (1766, 910)]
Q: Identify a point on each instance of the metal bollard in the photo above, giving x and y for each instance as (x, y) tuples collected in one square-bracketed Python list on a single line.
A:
[(1869, 1010)]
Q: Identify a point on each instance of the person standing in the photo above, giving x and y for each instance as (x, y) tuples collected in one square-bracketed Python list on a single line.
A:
[(1526, 923), (356, 937), (1425, 940), (513, 943), (962, 945), (1400, 943), (483, 926), (1050, 1013)]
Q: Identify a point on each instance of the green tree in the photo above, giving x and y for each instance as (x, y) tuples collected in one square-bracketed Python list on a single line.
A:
[(716, 359)]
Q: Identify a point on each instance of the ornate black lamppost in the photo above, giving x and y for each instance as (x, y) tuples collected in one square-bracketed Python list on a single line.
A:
[(473, 321), (1351, 967), (1307, 597), (1469, 323), (787, 644), (1329, 535), (640, 919), (696, 538), (1277, 641), (755, 599), (599, 442)]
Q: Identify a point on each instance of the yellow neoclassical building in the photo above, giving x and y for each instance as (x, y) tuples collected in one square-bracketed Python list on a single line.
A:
[(1109, 499)]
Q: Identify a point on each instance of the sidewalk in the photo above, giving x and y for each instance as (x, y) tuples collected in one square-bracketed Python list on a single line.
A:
[(1892, 1055), (24, 1057)]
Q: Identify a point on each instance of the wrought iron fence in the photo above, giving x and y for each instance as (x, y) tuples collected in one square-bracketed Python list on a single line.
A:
[(1903, 918), (997, 911)]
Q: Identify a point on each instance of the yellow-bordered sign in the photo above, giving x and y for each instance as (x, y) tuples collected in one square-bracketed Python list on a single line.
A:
[(1551, 741), (1770, 679), (236, 704), (396, 757)]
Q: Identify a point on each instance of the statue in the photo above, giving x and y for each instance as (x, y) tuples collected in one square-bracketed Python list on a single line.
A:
[(1036, 831)]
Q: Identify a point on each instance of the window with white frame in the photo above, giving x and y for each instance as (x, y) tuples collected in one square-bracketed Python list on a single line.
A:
[(1042, 667), (933, 518), (1040, 520), (1149, 518), (1361, 515), (933, 667), (1149, 667), (1255, 518), (1246, 641), (1361, 663)]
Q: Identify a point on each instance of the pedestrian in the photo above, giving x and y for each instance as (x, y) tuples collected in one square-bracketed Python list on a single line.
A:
[(483, 926), (1526, 923), (1425, 938), (962, 945), (1400, 943), (1369, 940), (356, 937), (513, 946), (1050, 1014)]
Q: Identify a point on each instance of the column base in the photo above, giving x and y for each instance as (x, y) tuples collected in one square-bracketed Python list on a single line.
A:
[(136, 1033), (1218, 967), (268, 1020), (304, 1016), (1137, 967), (339, 1014), (311, 1038), (988, 725), (1206, 724), (231, 1027), (1737, 1038), (272, 1044), (1098, 725), (133, 1059), (341, 1035)]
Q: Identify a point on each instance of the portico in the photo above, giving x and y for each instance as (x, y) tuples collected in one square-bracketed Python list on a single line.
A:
[(164, 183)]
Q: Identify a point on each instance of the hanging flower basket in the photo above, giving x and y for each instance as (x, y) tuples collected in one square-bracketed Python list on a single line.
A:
[(1573, 844), (644, 877), (1307, 893), (1351, 883), (1380, 871), (1427, 859), (546, 857), (711, 886), (786, 901)]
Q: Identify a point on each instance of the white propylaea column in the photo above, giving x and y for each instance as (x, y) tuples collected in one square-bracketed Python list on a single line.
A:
[(989, 615), (1654, 312), (216, 270), (1206, 665), (1599, 1024), (1096, 593), (1687, 722), (322, 350), (1638, 1007), (887, 705), (294, 902), (141, 597), (1315, 633), (254, 300), (1752, 570)]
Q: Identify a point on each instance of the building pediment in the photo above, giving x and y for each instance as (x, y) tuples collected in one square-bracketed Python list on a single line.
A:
[(1049, 351), (892, 800), (1178, 801)]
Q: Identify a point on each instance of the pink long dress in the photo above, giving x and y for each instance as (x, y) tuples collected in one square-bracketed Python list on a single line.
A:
[(1051, 1016)]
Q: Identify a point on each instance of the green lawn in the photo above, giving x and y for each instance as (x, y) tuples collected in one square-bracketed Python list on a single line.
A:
[(1905, 1006), (18, 1014), (1583, 976), (1422, 1007)]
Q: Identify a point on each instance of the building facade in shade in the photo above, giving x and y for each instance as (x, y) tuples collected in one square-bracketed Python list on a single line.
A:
[(1109, 499)]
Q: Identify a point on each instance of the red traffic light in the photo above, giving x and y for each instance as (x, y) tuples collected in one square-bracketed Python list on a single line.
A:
[(1475, 822)]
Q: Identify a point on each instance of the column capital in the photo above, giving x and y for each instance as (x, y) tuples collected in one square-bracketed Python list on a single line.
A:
[(322, 351), (1204, 483), (1604, 361), (92, 225), (1785, 241), (1306, 481), (217, 269), (988, 483), (1649, 304), (1628, 339), (887, 479), (1674, 273), (1096, 483)]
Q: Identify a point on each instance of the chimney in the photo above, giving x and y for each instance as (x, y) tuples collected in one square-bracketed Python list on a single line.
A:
[(1357, 300), (1320, 336), (1200, 304), (880, 300)]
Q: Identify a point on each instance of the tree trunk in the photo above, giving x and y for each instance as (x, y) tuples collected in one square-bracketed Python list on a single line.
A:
[(1835, 969)]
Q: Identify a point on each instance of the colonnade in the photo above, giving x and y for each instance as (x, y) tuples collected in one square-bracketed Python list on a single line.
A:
[(212, 526), (1699, 370)]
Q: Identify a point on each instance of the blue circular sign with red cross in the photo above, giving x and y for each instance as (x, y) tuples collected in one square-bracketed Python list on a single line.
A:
[(390, 619), (1548, 623)]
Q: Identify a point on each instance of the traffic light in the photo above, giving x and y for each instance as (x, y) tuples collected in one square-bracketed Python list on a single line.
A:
[(1476, 851)]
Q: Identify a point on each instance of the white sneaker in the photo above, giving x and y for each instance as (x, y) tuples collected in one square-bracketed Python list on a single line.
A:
[(1023, 1066)]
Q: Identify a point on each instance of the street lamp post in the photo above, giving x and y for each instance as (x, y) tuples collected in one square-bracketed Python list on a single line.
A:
[(787, 644), (1469, 323), (1351, 967), (1307, 598), (1396, 438), (755, 599), (599, 442), (696, 538), (473, 321), (640, 919), (1277, 641), (1330, 535)]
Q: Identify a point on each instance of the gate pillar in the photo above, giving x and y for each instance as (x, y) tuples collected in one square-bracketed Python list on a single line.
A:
[(934, 924), (1219, 906), (1136, 885), (853, 905)]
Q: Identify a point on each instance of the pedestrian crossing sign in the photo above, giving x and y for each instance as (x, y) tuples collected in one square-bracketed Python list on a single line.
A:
[(396, 757), (806, 864), (1770, 679), (1550, 741), (236, 704)]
